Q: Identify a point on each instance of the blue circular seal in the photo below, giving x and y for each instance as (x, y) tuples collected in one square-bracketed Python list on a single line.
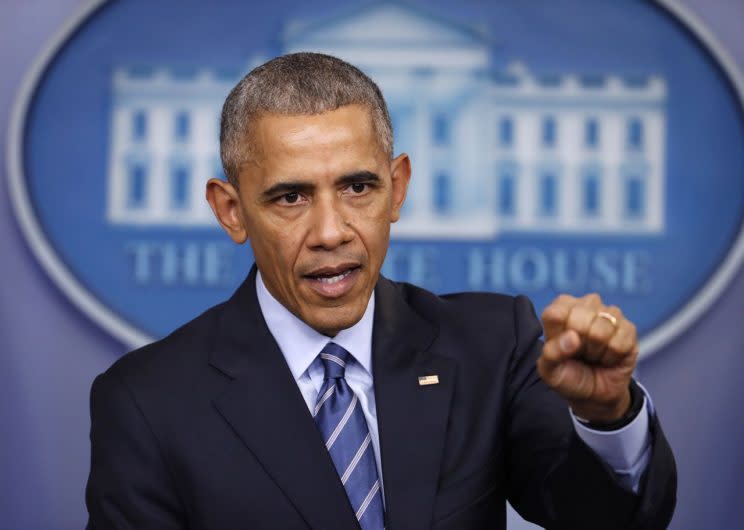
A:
[(557, 147)]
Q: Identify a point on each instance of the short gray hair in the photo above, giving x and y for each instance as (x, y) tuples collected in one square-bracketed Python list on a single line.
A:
[(295, 84)]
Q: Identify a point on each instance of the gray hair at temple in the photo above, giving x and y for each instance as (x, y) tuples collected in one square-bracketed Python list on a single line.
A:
[(295, 84)]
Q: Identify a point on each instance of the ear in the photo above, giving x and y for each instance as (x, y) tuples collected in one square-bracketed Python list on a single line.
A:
[(225, 202), (400, 171)]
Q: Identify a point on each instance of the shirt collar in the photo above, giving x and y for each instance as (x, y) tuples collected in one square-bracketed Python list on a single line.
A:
[(300, 344)]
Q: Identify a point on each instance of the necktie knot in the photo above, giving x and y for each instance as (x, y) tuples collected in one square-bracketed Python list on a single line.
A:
[(334, 359)]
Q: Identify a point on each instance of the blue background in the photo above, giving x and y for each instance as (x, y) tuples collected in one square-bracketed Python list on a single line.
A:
[(50, 352)]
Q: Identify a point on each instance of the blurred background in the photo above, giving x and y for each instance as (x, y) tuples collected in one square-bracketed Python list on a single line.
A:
[(557, 146)]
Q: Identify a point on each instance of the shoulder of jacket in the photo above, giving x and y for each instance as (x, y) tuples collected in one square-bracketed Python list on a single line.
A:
[(463, 308), (178, 348)]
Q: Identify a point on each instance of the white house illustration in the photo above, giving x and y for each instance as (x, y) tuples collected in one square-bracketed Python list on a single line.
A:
[(493, 150)]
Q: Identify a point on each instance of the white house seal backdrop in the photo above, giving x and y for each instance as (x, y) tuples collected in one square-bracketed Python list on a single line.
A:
[(556, 147)]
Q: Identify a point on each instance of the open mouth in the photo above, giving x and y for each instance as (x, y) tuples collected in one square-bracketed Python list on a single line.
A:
[(333, 281)]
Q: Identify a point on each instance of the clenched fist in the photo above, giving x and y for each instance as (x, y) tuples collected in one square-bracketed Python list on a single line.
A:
[(589, 356)]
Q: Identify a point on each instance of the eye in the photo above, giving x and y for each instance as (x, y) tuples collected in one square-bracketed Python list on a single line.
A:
[(358, 187), (291, 197)]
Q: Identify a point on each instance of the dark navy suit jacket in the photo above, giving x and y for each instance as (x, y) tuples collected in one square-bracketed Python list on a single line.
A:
[(207, 429)]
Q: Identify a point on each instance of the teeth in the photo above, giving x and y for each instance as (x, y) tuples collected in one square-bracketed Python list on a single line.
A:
[(335, 279)]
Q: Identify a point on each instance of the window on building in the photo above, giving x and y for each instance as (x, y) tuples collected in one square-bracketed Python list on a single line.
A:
[(182, 129), (179, 186), (136, 185), (441, 130), (635, 196), (591, 192), (591, 133), (548, 205), (139, 125), (506, 190), (506, 132), (549, 132), (635, 133), (442, 193)]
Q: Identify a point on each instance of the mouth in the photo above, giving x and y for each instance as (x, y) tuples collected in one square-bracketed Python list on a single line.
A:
[(333, 282)]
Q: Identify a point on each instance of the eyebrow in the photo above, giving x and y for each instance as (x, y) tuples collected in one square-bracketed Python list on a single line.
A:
[(299, 186), (358, 177), (282, 188)]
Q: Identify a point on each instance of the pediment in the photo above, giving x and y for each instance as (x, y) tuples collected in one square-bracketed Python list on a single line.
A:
[(382, 24)]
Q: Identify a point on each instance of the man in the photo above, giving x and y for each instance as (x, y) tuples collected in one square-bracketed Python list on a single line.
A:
[(324, 396)]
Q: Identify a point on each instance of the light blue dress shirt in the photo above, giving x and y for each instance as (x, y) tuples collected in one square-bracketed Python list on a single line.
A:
[(626, 451)]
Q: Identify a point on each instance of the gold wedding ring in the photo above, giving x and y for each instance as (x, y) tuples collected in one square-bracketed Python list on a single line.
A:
[(608, 316)]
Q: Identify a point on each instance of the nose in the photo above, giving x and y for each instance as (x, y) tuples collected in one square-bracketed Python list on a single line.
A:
[(330, 227)]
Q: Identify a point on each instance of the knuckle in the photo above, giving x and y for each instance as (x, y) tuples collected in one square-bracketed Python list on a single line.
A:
[(549, 312), (596, 335), (584, 300), (616, 344), (594, 297), (624, 344), (563, 299), (574, 319), (580, 319)]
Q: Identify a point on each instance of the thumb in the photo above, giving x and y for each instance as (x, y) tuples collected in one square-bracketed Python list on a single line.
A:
[(561, 347), (570, 377)]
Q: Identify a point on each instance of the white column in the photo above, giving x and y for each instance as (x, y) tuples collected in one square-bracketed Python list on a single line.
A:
[(160, 142), (423, 170), (612, 142), (204, 150), (569, 146), (527, 145), (117, 169), (655, 131)]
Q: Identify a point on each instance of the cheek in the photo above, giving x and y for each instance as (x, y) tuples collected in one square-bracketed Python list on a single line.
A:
[(372, 222), (376, 212), (375, 235), (278, 244), (286, 253)]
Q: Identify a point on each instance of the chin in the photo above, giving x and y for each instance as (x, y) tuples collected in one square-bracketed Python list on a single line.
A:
[(334, 320)]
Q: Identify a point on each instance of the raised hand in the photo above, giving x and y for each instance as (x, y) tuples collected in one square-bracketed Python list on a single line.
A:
[(589, 356)]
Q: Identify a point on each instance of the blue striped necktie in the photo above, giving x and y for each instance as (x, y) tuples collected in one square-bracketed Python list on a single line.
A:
[(341, 421)]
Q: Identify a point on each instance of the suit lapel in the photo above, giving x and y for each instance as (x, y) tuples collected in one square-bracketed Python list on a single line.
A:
[(412, 418), (265, 408)]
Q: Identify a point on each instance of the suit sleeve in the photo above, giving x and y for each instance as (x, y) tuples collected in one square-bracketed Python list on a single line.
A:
[(129, 486), (554, 479)]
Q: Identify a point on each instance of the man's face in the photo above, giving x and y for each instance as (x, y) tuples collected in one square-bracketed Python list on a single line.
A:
[(316, 202)]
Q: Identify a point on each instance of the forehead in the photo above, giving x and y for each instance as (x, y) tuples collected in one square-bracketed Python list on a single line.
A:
[(348, 128)]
